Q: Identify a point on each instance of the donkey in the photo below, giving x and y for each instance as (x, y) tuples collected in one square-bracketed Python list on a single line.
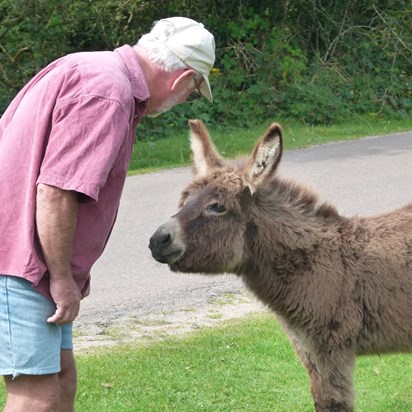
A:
[(340, 286)]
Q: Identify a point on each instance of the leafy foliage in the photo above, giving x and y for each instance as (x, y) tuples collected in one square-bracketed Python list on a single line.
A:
[(315, 61)]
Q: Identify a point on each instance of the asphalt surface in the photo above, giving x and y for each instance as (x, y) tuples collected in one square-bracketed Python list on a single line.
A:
[(362, 177)]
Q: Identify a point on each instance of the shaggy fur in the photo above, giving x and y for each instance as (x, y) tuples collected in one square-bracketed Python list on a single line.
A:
[(340, 286)]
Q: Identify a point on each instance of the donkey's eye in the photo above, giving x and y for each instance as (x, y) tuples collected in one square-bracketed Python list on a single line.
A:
[(216, 208)]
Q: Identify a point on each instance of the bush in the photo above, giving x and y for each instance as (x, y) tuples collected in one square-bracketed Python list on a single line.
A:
[(315, 61)]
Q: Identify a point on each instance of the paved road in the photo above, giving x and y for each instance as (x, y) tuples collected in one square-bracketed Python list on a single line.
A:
[(360, 177)]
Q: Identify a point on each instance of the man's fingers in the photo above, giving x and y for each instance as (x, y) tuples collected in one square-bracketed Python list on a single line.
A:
[(56, 318), (61, 317)]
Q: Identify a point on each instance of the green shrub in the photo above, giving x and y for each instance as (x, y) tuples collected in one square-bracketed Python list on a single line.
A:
[(316, 61)]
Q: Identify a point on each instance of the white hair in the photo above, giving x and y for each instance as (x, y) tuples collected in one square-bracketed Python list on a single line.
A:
[(159, 54)]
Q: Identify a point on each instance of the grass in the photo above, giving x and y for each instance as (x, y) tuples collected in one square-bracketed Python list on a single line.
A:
[(244, 365), (153, 154)]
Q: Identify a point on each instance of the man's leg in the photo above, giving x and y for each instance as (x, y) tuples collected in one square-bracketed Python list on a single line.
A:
[(38, 393), (67, 381), (38, 355)]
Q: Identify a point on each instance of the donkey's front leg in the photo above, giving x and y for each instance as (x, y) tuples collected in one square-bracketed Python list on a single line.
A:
[(330, 374), (332, 381)]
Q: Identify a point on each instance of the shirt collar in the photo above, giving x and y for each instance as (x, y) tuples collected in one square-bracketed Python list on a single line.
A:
[(137, 79)]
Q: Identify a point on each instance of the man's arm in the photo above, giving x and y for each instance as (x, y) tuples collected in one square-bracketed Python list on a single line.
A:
[(56, 218)]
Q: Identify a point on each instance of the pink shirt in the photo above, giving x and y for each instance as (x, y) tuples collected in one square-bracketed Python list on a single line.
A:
[(72, 126)]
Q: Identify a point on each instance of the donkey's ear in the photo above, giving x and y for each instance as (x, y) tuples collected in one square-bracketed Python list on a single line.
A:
[(204, 153), (265, 157)]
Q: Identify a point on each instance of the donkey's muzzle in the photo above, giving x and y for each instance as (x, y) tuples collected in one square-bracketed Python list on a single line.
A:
[(166, 244)]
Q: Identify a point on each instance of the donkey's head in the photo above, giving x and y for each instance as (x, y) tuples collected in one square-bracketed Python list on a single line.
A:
[(207, 234)]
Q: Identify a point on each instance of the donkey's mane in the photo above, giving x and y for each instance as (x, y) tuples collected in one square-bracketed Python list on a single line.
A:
[(281, 189), (302, 197)]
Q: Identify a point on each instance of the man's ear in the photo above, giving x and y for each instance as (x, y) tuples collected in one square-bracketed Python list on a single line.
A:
[(186, 74)]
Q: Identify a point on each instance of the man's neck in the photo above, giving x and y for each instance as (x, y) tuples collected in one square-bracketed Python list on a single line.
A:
[(158, 81)]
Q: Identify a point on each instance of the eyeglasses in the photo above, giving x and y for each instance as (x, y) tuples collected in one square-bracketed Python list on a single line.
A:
[(195, 94)]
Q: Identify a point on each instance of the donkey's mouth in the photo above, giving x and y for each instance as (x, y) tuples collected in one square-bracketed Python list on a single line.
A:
[(169, 258)]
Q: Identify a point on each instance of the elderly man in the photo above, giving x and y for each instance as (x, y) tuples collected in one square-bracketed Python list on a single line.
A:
[(65, 146)]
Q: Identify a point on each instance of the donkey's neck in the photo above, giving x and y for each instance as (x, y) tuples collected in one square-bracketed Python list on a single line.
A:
[(288, 227)]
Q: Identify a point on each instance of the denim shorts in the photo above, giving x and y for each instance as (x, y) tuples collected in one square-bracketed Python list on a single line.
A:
[(28, 344)]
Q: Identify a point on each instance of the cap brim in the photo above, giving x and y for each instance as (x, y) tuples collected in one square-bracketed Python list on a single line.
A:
[(205, 89)]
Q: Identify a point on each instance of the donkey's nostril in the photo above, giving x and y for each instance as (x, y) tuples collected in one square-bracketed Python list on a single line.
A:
[(160, 241), (164, 240)]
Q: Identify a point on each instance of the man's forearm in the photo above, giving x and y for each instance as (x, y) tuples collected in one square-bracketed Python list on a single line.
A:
[(56, 218)]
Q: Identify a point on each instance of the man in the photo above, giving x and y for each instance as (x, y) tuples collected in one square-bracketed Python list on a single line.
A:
[(65, 146)]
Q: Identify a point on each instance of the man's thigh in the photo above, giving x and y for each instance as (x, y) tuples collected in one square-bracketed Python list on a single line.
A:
[(29, 345)]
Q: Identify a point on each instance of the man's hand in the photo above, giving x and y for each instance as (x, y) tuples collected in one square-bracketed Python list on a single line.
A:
[(66, 295)]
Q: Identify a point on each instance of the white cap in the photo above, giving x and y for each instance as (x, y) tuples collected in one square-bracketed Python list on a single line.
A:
[(191, 43)]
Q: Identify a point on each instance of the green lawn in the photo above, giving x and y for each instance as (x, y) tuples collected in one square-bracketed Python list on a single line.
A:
[(244, 365)]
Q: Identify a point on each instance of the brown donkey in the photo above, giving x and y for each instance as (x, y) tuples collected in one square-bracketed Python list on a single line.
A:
[(340, 286)]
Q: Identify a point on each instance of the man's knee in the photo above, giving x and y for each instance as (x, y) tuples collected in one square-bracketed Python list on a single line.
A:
[(67, 385)]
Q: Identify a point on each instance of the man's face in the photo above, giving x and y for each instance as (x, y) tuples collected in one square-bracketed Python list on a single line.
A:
[(175, 97)]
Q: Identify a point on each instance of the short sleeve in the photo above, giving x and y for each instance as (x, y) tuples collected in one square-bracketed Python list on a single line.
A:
[(85, 138)]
